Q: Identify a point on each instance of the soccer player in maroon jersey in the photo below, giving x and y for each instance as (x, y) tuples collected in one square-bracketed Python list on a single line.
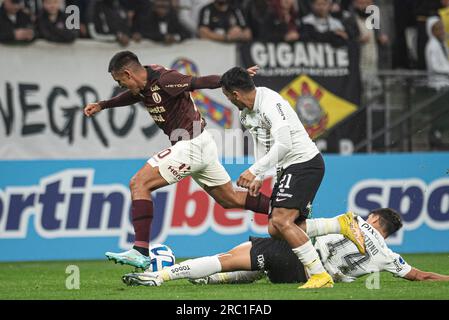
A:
[(166, 95)]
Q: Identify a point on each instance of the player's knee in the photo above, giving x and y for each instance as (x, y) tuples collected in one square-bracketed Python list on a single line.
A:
[(280, 220), (279, 223), (138, 183), (273, 231)]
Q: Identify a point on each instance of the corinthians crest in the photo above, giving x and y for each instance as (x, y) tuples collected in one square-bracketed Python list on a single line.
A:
[(318, 109), (313, 117)]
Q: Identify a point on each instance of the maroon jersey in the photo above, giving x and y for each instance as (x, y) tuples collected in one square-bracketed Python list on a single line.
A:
[(167, 98)]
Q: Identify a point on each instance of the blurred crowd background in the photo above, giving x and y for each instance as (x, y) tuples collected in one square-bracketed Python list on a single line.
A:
[(399, 43)]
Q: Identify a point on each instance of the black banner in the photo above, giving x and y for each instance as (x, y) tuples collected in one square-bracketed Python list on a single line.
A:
[(320, 81)]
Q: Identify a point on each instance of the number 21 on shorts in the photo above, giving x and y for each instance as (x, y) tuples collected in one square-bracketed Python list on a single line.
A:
[(287, 177)]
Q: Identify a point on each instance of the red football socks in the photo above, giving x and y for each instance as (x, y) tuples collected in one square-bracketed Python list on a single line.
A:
[(142, 216), (259, 204)]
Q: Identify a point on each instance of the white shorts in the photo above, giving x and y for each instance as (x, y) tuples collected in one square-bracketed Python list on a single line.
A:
[(197, 158)]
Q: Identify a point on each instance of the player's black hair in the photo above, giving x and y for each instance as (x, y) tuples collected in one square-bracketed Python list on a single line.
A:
[(390, 220), (237, 78), (122, 59)]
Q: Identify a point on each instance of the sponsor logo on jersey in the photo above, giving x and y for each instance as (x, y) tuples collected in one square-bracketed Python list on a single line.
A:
[(179, 172), (267, 121), (155, 88), (177, 85), (157, 118), (158, 109), (371, 246), (281, 112), (156, 97), (398, 265)]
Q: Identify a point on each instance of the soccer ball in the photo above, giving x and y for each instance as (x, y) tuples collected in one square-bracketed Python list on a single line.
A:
[(161, 257)]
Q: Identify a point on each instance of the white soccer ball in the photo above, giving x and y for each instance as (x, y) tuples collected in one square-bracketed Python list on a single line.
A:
[(161, 257)]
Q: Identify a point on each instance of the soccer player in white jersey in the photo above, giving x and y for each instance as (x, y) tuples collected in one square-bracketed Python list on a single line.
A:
[(258, 257), (281, 140)]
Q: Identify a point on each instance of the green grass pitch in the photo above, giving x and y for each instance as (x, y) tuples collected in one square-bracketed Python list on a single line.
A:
[(102, 280)]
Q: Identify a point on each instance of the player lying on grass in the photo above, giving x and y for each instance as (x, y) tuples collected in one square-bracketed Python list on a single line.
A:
[(251, 260), (240, 258)]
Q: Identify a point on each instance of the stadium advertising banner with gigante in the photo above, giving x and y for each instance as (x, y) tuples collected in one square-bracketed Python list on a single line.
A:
[(64, 178), (320, 81)]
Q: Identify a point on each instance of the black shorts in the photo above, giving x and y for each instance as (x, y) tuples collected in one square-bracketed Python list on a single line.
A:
[(277, 259), (297, 185)]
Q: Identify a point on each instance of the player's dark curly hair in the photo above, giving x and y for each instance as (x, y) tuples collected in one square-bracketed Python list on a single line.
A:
[(237, 78), (122, 59), (390, 220)]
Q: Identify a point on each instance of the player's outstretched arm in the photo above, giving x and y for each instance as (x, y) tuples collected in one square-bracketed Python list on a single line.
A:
[(213, 81), (418, 275), (125, 98)]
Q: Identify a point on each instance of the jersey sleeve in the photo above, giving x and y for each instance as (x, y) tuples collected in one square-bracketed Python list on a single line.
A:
[(175, 83), (282, 145), (274, 115), (272, 112), (396, 264)]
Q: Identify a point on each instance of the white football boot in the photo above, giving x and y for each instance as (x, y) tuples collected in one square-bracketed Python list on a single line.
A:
[(148, 279)]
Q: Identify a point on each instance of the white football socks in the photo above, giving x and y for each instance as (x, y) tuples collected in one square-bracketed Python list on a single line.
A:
[(192, 269), (309, 258), (322, 226), (235, 277)]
